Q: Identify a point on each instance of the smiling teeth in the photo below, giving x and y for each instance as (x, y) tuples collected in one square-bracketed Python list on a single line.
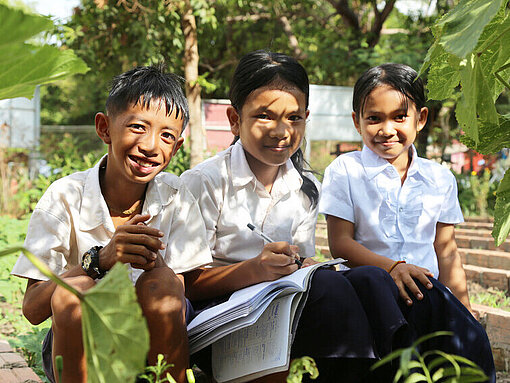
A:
[(143, 163)]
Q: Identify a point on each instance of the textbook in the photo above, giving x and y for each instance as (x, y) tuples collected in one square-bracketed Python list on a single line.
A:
[(252, 332)]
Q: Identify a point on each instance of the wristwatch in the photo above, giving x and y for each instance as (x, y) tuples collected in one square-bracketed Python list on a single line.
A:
[(90, 263)]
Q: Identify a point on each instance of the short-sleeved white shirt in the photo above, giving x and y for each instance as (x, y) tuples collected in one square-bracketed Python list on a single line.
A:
[(390, 219), (230, 197), (72, 216)]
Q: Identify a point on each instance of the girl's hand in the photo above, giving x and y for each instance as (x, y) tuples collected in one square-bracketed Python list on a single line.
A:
[(403, 275), (309, 262), (276, 260), (134, 243)]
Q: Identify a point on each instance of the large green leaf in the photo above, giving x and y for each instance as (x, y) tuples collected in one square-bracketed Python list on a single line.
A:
[(502, 210), (23, 66), (114, 330), (115, 334), (443, 76), (492, 138), (18, 26), (476, 105), (463, 25)]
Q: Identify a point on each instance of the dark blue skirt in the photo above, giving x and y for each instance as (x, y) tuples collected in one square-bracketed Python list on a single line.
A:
[(352, 318)]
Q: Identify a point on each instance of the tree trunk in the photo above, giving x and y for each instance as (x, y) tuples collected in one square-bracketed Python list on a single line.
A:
[(193, 89)]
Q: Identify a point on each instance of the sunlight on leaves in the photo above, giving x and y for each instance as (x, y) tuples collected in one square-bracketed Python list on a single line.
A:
[(24, 66), (502, 210), (115, 334), (468, 18)]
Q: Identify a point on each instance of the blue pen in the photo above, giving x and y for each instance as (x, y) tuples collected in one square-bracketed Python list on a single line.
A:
[(267, 239)]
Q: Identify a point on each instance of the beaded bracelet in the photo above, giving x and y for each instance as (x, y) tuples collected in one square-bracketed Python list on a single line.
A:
[(395, 265)]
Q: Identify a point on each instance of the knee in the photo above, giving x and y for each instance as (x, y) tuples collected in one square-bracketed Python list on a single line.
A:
[(65, 306), (161, 293)]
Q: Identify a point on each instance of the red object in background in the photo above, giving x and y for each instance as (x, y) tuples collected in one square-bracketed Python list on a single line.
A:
[(217, 127)]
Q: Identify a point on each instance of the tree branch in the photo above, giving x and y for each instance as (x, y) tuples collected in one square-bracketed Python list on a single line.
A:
[(348, 15), (293, 41), (380, 18)]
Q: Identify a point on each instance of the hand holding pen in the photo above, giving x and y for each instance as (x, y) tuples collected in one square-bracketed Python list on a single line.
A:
[(269, 240)]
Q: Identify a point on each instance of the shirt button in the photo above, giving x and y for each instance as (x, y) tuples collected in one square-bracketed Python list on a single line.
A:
[(400, 209)]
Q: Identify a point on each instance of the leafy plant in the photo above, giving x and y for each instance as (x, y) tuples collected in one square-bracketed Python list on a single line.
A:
[(115, 334), (158, 374), (471, 50), (432, 366), (23, 66), (301, 366)]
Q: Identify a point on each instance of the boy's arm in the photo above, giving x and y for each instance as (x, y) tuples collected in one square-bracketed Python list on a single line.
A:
[(343, 245), (451, 272), (37, 299)]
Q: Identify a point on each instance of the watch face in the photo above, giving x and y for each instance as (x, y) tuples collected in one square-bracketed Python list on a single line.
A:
[(87, 259)]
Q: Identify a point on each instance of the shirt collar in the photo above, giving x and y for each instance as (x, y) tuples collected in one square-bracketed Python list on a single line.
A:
[(374, 164), (242, 174), (94, 211)]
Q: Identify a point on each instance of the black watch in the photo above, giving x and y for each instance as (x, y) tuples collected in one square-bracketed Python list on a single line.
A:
[(90, 263)]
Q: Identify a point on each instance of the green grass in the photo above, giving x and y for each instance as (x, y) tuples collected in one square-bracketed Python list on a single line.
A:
[(23, 336), (492, 297)]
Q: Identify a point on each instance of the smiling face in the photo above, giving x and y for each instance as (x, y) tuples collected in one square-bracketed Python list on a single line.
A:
[(271, 126), (141, 142), (388, 126)]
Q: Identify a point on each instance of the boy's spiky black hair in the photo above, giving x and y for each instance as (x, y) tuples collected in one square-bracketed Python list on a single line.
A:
[(145, 84)]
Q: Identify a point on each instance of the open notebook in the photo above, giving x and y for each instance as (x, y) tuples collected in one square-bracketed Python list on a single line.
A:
[(251, 333)]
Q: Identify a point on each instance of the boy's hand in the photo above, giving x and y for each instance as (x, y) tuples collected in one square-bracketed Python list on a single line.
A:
[(403, 275), (134, 243), (276, 260)]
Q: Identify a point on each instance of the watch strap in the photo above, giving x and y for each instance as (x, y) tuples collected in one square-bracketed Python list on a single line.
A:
[(90, 263)]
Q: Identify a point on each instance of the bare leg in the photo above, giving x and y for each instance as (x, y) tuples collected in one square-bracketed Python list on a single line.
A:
[(161, 296), (66, 326)]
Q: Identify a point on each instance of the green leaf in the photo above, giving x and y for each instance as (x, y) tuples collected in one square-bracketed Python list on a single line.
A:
[(476, 100), (115, 334), (416, 377), (492, 138), (18, 26), (443, 76), (502, 210), (468, 18), (23, 66)]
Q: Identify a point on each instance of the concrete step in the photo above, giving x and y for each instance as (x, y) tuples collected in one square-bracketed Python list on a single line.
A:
[(488, 277), (479, 219), (474, 232), (13, 368)]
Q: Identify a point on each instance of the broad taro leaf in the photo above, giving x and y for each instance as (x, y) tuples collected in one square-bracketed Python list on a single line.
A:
[(468, 18), (23, 66), (18, 26), (115, 334), (502, 210)]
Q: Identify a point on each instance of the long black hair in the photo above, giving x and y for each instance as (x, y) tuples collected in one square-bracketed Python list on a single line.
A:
[(400, 77), (260, 68)]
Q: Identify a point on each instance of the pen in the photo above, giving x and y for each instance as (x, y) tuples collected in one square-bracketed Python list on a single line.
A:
[(269, 240)]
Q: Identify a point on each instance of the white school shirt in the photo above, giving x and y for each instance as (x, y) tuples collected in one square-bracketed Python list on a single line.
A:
[(230, 197), (72, 216), (390, 219)]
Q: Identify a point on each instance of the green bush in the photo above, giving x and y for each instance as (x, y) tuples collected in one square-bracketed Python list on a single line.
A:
[(477, 194)]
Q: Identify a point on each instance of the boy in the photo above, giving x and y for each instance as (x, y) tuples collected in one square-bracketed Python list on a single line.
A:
[(122, 210)]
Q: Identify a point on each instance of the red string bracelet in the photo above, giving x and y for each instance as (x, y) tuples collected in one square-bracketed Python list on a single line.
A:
[(395, 265)]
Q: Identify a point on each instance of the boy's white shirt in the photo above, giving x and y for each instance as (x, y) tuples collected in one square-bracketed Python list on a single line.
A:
[(72, 216), (230, 197), (390, 219)]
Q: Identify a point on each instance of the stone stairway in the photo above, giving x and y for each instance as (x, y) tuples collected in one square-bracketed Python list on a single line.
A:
[(485, 264)]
